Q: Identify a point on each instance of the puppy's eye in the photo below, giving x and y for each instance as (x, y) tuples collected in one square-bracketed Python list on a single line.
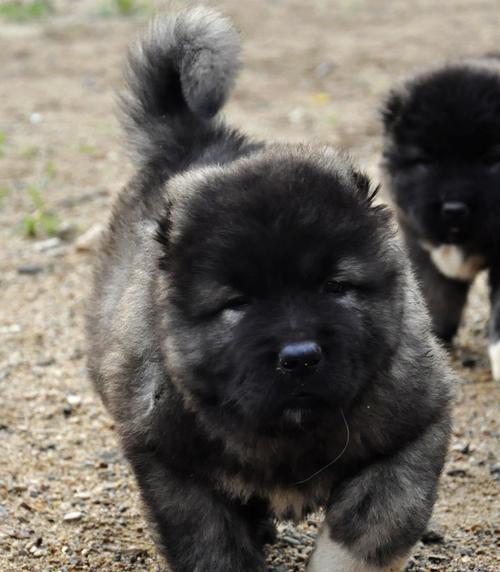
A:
[(237, 304), (420, 162), (336, 287), (491, 161)]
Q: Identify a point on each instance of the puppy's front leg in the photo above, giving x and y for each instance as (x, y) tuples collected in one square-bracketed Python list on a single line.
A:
[(197, 529), (494, 349), (375, 518), (445, 296)]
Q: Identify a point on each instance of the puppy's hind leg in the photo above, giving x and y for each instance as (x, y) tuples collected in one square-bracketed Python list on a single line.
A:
[(494, 349)]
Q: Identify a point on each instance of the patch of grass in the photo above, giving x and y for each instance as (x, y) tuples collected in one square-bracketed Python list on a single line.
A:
[(22, 10), (41, 220), (87, 149), (124, 7), (50, 170), (4, 192), (29, 152)]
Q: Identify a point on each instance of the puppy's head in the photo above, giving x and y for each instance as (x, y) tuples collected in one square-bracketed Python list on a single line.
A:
[(281, 286), (442, 152)]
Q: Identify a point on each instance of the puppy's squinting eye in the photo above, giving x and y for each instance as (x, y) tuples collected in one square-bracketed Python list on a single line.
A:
[(420, 163), (237, 304), (336, 287), (491, 160)]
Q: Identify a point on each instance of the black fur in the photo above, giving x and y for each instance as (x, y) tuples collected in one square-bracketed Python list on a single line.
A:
[(220, 252), (442, 144)]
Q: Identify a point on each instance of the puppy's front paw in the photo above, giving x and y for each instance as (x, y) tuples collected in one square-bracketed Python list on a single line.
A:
[(331, 556)]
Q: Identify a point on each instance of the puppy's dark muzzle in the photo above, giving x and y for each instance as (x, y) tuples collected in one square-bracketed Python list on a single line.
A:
[(299, 358), (454, 212), (455, 215)]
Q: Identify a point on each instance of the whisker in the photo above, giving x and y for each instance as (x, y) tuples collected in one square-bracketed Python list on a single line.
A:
[(315, 474)]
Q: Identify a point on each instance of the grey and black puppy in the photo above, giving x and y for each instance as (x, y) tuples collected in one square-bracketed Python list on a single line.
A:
[(256, 332), (442, 161)]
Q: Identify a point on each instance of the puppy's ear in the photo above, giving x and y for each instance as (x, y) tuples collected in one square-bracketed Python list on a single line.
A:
[(391, 110), (364, 186)]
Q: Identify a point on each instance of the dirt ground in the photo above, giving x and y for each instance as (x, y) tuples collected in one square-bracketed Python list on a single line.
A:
[(313, 71)]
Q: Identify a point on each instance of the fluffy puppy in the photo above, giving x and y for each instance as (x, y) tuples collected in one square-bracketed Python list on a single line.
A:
[(442, 161), (256, 333)]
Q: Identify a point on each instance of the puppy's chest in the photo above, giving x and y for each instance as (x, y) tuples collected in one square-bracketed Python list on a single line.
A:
[(287, 498), (453, 263)]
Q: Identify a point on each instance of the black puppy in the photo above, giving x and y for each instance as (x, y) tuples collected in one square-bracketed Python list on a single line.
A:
[(442, 160), (256, 332)]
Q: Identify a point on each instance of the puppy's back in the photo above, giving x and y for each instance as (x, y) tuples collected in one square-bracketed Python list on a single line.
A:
[(178, 76)]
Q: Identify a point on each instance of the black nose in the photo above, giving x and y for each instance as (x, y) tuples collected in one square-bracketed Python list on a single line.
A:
[(454, 211), (300, 357)]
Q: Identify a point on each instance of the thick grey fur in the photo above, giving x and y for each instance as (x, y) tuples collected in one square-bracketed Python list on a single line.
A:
[(206, 419)]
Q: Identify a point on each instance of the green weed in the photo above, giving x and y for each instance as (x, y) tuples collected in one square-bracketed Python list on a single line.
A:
[(87, 149), (29, 152), (50, 170), (41, 220), (124, 7), (22, 10)]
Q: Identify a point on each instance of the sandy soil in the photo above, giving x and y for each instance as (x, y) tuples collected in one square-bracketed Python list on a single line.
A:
[(314, 71)]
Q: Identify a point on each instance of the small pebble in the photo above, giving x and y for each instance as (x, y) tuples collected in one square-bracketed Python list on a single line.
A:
[(30, 269), (36, 118), (74, 400), (469, 362), (463, 448), (73, 516), (45, 362), (67, 230), (82, 495), (433, 535), (291, 540), (90, 239), (323, 69), (48, 244), (296, 116), (457, 472), (11, 329), (437, 558), (76, 354)]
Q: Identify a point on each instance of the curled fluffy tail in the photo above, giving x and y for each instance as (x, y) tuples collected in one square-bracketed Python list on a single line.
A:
[(178, 77)]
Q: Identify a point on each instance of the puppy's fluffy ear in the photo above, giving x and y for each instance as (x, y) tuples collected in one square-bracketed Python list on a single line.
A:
[(364, 186), (391, 110)]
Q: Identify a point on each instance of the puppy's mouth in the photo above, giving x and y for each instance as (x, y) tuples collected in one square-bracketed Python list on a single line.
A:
[(305, 400), (456, 235)]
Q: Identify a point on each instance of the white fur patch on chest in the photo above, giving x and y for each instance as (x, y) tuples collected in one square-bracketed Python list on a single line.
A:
[(494, 351), (451, 261)]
